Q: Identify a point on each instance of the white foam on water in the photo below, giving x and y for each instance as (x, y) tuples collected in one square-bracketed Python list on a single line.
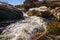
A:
[(26, 29)]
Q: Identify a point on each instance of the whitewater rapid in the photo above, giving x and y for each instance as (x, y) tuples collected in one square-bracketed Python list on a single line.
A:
[(28, 29)]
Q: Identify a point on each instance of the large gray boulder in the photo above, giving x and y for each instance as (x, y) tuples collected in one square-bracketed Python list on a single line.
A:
[(9, 12)]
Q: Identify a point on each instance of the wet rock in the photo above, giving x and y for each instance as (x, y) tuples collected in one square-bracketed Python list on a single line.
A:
[(0, 30), (9, 12)]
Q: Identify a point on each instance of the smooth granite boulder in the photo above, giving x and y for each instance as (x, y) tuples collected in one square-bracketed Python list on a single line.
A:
[(9, 12)]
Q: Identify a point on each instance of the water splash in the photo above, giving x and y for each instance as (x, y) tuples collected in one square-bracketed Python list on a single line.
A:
[(26, 29)]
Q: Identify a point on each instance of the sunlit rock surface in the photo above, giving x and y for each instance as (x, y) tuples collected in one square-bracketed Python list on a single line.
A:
[(42, 11), (32, 28), (56, 13), (41, 8)]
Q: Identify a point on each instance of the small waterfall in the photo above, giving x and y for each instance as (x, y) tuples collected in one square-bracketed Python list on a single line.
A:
[(25, 14), (28, 29)]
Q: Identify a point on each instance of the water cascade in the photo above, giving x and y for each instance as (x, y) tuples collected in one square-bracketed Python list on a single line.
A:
[(28, 29)]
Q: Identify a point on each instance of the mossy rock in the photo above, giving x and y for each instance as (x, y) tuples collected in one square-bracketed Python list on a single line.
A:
[(54, 28)]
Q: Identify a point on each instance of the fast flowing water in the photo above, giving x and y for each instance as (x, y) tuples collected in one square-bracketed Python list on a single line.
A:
[(26, 29)]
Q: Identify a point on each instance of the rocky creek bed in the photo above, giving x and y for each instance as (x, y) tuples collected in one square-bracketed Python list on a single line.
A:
[(39, 23)]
